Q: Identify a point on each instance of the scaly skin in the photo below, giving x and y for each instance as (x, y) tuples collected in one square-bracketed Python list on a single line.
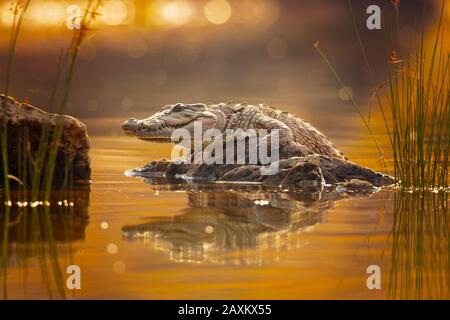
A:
[(312, 158), (296, 135)]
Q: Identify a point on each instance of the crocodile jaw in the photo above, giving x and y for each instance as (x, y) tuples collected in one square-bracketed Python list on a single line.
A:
[(149, 129), (159, 128)]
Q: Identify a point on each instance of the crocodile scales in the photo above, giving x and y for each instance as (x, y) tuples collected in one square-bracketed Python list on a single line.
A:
[(302, 148)]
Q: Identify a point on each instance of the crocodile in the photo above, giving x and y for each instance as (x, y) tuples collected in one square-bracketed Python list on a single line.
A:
[(238, 224), (217, 222), (302, 148)]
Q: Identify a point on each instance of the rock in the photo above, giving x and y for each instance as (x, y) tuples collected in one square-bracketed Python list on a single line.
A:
[(295, 171), (308, 171), (152, 169), (25, 120), (339, 170), (356, 185), (210, 172), (159, 169), (305, 171)]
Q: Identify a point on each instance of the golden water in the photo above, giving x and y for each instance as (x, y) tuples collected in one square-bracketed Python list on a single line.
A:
[(221, 242)]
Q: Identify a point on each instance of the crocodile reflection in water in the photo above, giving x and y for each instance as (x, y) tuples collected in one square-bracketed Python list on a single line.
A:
[(232, 224)]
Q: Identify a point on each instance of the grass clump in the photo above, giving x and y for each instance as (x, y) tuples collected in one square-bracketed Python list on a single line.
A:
[(36, 166), (415, 108), (419, 102)]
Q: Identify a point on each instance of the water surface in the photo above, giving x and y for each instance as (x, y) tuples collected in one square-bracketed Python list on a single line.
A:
[(147, 241)]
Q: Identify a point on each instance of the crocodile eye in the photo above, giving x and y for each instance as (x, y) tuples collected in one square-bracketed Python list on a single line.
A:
[(178, 108)]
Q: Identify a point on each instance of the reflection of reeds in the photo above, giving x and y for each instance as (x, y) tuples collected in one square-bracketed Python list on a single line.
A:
[(417, 115), (420, 247), (38, 231), (36, 166)]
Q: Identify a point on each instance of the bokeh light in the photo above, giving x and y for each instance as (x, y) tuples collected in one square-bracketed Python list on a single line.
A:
[(112, 248), (159, 13), (104, 225), (260, 13), (217, 11), (117, 12), (51, 13), (6, 14), (177, 12), (174, 12), (47, 13), (209, 229), (119, 267)]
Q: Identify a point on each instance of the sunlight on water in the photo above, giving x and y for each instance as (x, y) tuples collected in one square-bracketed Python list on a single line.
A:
[(147, 240)]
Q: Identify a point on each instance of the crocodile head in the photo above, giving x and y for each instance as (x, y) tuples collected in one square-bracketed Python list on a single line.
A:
[(160, 126)]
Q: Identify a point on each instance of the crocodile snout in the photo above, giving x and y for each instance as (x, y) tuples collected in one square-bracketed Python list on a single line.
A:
[(130, 125)]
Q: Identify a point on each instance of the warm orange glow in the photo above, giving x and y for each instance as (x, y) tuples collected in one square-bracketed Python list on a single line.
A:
[(6, 14), (53, 13), (162, 13), (261, 12), (117, 12), (217, 11), (175, 13), (49, 13)]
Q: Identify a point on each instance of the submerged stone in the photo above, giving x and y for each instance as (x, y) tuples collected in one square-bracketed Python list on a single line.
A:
[(356, 185), (311, 171), (295, 171)]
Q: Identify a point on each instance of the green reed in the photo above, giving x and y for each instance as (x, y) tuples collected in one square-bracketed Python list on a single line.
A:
[(36, 166), (19, 10), (354, 104), (415, 109), (419, 102)]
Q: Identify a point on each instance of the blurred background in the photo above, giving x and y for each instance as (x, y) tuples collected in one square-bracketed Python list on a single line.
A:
[(142, 55)]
